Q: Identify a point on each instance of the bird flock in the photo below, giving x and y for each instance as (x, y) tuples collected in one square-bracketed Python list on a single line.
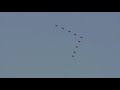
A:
[(78, 41)]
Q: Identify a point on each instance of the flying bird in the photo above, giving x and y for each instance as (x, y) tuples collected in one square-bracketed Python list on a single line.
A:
[(62, 28), (75, 34), (76, 46), (79, 41), (74, 51), (81, 37), (69, 31), (73, 56), (56, 25)]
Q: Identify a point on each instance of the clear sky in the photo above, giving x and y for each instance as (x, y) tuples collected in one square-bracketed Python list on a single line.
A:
[(31, 45)]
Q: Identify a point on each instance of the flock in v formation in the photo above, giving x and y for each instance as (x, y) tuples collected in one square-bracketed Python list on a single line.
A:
[(78, 41)]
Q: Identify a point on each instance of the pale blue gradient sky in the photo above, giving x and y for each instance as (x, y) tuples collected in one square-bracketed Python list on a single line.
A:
[(31, 46)]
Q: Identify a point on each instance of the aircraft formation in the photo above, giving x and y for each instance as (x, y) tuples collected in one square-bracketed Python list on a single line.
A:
[(74, 34)]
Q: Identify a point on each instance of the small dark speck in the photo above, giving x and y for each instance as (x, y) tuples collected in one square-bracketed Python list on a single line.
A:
[(76, 46), (56, 25), (73, 56), (81, 37), (62, 28), (74, 51), (69, 31), (79, 41), (75, 34)]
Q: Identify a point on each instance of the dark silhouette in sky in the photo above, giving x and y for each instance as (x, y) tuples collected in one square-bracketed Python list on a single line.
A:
[(81, 37), (62, 28), (69, 31), (73, 56), (56, 25), (76, 46), (74, 51), (75, 34), (79, 41)]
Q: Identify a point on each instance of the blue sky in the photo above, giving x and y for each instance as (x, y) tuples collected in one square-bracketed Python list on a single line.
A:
[(31, 45)]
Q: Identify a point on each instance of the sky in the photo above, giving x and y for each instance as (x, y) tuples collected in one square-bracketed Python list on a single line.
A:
[(32, 47)]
